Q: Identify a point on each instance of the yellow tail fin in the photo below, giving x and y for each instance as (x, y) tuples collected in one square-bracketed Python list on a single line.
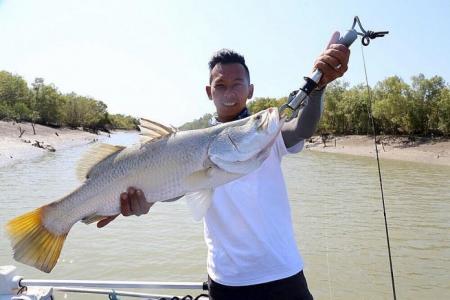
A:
[(32, 243)]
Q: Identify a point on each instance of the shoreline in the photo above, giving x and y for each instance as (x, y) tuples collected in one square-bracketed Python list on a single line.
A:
[(47, 139), (434, 151), (13, 148)]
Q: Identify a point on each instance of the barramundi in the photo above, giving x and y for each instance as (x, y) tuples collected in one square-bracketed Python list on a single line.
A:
[(168, 166)]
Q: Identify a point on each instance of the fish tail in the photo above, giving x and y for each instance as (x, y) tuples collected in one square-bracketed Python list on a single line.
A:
[(32, 243)]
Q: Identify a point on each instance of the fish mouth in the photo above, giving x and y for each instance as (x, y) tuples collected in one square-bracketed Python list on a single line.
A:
[(272, 114)]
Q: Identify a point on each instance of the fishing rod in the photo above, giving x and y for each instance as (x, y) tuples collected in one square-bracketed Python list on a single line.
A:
[(298, 100)]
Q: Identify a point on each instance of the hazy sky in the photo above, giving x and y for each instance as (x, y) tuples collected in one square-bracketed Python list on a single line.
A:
[(149, 58)]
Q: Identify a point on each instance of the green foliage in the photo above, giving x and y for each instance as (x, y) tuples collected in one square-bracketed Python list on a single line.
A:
[(44, 104), (259, 104), (422, 107), (119, 121), (391, 105), (201, 122), (14, 97), (13, 89), (49, 104), (397, 108), (443, 111)]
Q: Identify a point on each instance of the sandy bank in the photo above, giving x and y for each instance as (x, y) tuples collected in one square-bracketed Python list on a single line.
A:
[(423, 150), (13, 148)]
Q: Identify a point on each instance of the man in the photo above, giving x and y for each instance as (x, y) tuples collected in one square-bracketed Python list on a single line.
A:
[(252, 252)]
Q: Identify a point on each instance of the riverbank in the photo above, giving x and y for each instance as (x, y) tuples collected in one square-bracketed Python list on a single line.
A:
[(15, 147), (424, 150)]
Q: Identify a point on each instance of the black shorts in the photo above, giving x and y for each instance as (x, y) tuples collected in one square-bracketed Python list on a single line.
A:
[(290, 288)]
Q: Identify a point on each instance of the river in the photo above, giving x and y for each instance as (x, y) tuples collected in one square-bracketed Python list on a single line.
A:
[(337, 214)]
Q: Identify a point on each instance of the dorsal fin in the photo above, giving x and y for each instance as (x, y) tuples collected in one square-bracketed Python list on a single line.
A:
[(154, 130), (93, 157)]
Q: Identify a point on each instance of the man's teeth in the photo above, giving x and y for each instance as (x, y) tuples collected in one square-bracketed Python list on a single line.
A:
[(229, 103)]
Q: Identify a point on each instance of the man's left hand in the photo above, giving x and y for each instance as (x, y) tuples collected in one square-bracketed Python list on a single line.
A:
[(333, 62)]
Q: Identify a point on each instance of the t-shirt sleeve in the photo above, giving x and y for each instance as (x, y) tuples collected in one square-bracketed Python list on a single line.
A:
[(281, 149)]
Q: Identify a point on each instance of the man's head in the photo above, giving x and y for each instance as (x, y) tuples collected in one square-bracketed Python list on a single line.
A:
[(229, 84)]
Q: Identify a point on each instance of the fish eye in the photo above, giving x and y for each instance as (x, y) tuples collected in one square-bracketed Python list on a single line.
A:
[(258, 117)]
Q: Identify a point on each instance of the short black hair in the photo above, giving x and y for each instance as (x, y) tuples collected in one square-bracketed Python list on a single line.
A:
[(227, 56)]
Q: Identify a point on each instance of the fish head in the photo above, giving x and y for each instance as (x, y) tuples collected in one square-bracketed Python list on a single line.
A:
[(241, 146)]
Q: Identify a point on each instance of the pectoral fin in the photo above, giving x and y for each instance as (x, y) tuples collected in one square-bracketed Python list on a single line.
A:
[(210, 177)]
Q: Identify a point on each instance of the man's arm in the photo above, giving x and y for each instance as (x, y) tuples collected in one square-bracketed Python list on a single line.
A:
[(333, 63), (304, 126)]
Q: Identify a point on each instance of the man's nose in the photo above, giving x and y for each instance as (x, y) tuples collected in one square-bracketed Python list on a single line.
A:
[(229, 93)]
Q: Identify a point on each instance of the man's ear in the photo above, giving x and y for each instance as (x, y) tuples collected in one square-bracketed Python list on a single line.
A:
[(250, 91), (208, 91)]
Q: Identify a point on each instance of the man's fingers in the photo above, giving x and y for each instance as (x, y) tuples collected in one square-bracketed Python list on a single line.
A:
[(326, 69), (125, 208), (333, 62), (135, 206), (145, 206), (105, 221), (341, 56), (330, 60)]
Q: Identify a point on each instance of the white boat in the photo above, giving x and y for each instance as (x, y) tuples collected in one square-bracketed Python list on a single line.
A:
[(16, 287)]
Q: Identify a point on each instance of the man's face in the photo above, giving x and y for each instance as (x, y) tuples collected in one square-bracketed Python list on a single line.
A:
[(230, 88)]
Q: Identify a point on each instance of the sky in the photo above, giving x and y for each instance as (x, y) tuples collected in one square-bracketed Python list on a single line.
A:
[(150, 58)]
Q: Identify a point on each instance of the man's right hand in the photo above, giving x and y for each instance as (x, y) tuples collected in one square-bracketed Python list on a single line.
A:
[(132, 203)]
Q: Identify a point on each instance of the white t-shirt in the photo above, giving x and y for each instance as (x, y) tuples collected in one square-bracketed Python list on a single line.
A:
[(248, 228)]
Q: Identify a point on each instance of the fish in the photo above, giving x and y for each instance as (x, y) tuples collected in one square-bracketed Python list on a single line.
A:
[(168, 166)]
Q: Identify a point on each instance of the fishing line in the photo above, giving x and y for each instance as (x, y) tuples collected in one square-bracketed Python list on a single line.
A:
[(330, 290), (369, 94)]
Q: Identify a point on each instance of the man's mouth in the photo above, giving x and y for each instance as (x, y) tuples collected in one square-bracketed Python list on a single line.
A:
[(229, 104)]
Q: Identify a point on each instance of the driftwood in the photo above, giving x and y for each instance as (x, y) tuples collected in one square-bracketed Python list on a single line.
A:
[(324, 137), (21, 131), (42, 146)]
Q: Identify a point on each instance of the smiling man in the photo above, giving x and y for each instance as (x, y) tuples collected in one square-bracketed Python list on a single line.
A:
[(230, 85), (252, 252)]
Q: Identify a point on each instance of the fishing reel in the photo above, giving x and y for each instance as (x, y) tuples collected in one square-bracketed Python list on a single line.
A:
[(298, 99)]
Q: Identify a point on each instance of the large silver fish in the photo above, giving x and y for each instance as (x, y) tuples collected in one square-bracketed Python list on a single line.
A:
[(170, 166)]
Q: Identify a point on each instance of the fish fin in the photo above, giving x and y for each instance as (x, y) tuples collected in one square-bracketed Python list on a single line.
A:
[(197, 180), (32, 243), (212, 176), (92, 219), (93, 157), (153, 130), (198, 203), (173, 199)]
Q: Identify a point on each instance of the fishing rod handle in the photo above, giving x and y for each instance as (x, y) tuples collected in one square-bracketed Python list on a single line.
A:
[(346, 40), (312, 81)]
